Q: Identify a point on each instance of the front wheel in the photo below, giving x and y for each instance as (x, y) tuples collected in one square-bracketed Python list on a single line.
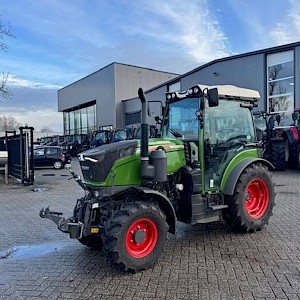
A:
[(251, 205), (135, 235)]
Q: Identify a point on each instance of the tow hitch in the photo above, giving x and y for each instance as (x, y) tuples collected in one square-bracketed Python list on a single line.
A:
[(65, 225)]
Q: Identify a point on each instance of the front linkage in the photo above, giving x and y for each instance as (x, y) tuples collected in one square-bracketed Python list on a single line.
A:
[(72, 226)]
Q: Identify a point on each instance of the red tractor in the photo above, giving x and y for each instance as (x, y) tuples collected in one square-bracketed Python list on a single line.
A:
[(292, 139)]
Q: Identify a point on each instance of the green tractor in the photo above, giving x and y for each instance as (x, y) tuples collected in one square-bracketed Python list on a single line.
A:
[(205, 167)]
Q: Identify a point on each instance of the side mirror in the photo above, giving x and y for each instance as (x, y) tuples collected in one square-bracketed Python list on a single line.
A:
[(213, 97), (294, 116), (158, 120), (278, 119), (148, 110)]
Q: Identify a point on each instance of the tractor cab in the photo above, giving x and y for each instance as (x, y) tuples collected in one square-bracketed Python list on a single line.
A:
[(216, 129)]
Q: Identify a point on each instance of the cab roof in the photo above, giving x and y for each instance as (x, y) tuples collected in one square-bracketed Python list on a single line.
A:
[(232, 91), (224, 92)]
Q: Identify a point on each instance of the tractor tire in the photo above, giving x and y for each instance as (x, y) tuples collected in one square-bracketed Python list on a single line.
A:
[(135, 235), (298, 158), (287, 151), (292, 145), (92, 241), (251, 205), (278, 155)]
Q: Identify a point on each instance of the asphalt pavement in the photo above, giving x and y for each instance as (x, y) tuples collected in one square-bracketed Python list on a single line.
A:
[(200, 262)]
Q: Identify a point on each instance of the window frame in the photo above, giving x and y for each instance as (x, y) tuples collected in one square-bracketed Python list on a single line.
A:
[(274, 59)]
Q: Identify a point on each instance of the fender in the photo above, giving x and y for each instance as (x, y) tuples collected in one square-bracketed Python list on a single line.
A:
[(290, 136), (165, 205), (237, 171)]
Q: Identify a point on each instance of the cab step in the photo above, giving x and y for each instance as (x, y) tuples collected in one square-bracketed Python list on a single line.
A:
[(215, 206)]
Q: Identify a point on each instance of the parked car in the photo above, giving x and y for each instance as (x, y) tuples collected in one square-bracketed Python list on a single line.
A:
[(45, 156)]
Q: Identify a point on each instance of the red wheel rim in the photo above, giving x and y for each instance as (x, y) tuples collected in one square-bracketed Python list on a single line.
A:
[(141, 238), (256, 198)]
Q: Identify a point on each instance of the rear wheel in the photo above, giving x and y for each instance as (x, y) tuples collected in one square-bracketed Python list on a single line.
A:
[(287, 151), (298, 158), (278, 155), (251, 205), (135, 235), (292, 145)]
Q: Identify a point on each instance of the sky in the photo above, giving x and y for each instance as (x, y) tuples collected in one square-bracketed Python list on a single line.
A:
[(57, 42)]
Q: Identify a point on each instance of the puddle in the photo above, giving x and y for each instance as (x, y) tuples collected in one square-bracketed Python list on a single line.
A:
[(39, 189), (48, 174), (31, 251)]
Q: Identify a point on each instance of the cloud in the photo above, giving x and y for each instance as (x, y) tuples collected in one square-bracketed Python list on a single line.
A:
[(39, 119), (185, 27), (32, 105), (14, 81), (78, 38), (289, 30), (258, 21)]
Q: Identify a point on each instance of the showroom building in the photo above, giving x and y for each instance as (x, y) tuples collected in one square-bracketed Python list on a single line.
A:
[(95, 101), (274, 72), (111, 95)]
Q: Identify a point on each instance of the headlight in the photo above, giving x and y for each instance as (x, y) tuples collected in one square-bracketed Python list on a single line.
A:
[(196, 90)]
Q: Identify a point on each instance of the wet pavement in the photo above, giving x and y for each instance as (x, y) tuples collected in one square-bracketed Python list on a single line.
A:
[(200, 262)]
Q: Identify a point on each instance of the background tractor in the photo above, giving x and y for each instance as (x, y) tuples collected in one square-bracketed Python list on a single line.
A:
[(292, 138), (279, 132), (275, 148), (205, 166)]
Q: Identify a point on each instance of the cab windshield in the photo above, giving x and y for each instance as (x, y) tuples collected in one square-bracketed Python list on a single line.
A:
[(182, 122)]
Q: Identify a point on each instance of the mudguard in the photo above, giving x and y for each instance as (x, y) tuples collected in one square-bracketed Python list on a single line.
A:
[(165, 205), (237, 171)]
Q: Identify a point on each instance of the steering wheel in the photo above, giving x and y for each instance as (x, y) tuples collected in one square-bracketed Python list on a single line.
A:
[(224, 134), (235, 141)]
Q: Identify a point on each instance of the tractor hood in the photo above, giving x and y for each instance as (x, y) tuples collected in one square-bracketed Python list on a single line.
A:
[(96, 163)]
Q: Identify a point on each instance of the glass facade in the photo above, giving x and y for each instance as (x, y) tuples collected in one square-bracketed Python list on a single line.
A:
[(81, 120), (280, 88)]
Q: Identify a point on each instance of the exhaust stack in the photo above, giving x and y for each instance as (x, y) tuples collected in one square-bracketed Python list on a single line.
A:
[(155, 168), (147, 170), (144, 125)]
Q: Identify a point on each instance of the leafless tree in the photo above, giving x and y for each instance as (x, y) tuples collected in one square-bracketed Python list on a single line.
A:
[(5, 31), (9, 123)]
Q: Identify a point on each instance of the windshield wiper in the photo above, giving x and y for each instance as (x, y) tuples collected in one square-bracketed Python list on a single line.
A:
[(175, 133)]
